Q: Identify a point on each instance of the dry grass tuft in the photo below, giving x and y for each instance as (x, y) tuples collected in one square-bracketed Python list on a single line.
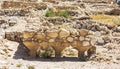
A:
[(114, 20)]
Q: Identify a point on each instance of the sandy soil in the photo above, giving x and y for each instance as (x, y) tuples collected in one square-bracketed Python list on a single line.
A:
[(19, 59)]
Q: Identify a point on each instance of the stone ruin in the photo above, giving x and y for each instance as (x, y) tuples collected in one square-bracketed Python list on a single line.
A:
[(57, 37), (80, 32)]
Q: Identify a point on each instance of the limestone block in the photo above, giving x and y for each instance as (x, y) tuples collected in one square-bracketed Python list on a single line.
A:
[(32, 46), (66, 7), (64, 33), (86, 43), (83, 32), (44, 44), (74, 32), (40, 36), (74, 43), (93, 42), (70, 39), (27, 34), (52, 34), (100, 41), (81, 38), (51, 40)]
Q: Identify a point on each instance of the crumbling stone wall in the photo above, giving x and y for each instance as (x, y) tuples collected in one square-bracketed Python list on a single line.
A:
[(14, 5), (58, 39)]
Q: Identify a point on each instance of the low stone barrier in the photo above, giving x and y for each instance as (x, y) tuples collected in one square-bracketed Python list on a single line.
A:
[(14, 5)]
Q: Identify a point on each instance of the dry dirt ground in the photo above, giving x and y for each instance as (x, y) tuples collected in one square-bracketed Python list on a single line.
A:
[(19, 59)]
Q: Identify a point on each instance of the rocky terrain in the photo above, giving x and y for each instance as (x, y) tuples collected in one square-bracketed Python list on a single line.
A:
[(85, 33)]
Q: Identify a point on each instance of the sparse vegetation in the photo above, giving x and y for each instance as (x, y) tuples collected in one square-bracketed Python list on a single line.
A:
[(51, 13), (73, 53), (46, 55), (19, 65), (63, 13), (84, 58), (31, 67)]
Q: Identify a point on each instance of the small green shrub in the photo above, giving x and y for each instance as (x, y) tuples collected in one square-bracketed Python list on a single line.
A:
[(72, 53), (31, 67), (49, 52), (46, 55), (50, 13), (19, 65), (84, 58), (63, 14)]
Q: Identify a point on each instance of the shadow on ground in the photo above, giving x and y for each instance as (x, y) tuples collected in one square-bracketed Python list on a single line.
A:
[(22, 53)]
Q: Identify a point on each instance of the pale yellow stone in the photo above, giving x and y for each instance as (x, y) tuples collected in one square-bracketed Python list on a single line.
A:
[(52, 34), (81, 38), (70, 39), (51, 40), (83, 32), (44, 44), (86, 43), (64, 33), (40, 36), (27, 34)]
